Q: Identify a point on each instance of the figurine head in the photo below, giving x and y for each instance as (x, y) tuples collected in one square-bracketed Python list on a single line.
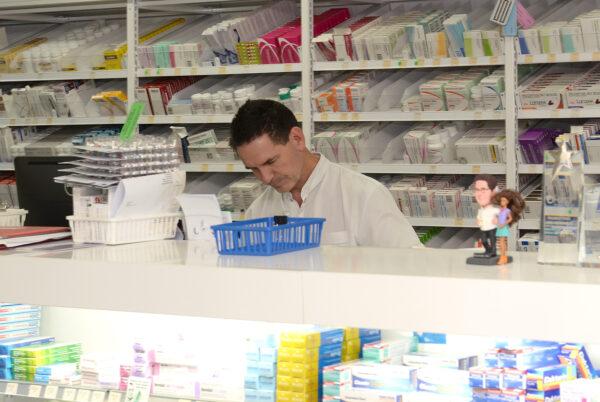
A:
[(512, 200), (485, 188)]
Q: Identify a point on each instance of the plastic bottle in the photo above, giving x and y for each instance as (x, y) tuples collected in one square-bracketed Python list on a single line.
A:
[(45, 62), (27, 62), (228, 103), (284, 96), (197, 104), (217, 105), (240, 97), (296, 100)]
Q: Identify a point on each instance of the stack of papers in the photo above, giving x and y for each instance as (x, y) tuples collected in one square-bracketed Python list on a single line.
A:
[(22, 235)]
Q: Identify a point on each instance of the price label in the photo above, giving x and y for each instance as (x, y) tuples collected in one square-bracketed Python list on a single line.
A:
[(229, 167), (552, 58), (355, 117), (437, 62), (49, 120), (51, 392), (183, 400), (476, 169), (34, 122), (177, 119), (574, 57), (418, 116), (151, 119), (111, 119), (177, 71), (576, 113), (478, 115), (532, 169), (433, 168), (93, 75), (528, 59), (204, 167), (344, 116), (114, 396), (454, 61), (355, 167), (288, 68), (159, 71), (402, 64), (12, 122), (387, 63), (11, 388), (222, 70), (210, 118), (194, 71), (420, 62), (345, 65), (324, 116), (83, 395), (555, 113), (98, 396), (34, 391), (69, 394), (459, 222), (147, 72), (494, 60), (363, 64), (473, 60)]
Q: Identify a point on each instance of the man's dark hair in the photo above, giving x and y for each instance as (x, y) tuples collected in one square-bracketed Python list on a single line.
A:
[(491, 181), (261, 116)]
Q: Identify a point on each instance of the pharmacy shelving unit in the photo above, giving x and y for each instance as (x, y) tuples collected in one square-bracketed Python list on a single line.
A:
[(133, 10)]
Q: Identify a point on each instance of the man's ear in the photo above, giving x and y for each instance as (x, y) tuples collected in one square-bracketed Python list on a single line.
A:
[(297, 137)]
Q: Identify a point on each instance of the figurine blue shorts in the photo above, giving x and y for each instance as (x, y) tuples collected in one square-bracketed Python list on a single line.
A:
[(504, 231)]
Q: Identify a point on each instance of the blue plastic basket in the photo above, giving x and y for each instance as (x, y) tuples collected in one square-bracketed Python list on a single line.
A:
[(263, 237)]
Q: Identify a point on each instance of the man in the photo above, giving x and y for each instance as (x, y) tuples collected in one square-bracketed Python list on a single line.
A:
[(358, 210), (487, 216)]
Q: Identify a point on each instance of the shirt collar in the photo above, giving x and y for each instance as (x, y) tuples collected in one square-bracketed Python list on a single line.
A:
[(315, 178)]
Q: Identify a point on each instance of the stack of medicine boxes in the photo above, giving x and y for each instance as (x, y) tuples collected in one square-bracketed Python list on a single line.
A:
[(302, 355), (261, 370), (351, 346), (368, 335), (19, 321), (27, 359), (6, 347)]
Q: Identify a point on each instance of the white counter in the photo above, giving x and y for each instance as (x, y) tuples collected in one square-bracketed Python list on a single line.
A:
[(425, 289)]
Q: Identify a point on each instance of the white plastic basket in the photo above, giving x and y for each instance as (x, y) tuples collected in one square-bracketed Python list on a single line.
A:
[(12, 217), (121, 231)]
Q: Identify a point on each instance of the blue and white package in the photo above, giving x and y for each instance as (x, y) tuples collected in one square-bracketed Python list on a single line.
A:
[(543, 396), (27, 315), (384, 377), (6, 346), (444, 381), (266, 395), (250, 395), (529, 357), (515, 379), (18, 325)]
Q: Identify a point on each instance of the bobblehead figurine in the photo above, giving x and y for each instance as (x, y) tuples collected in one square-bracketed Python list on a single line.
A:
[(485, 187)]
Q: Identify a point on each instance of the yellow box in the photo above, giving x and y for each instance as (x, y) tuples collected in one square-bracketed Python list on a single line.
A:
[(300, 385), (305, 340), (295, 355), (298, 370), (287, 396), (351, 333)]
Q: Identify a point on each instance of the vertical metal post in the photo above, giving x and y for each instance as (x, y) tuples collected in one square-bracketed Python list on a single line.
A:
[(511, 122), (306, 14), (132, 44)]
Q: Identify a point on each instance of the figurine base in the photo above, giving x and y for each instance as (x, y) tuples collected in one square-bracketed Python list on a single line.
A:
[(486, 260)]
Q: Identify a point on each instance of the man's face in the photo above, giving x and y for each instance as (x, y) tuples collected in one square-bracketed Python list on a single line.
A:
[(278, 165), (483, 193)]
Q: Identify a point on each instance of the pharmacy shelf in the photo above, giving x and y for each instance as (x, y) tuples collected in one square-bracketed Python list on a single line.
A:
[(529, 224), (193, 119), (441, 168), (64, 75), (559, 114), (558, 58), (221, 70), (61, 121), (410, 116), (372, 167), (4, 166), (539, 169), (408, 63), (443, 222), (332, 286), (77, 393), (214, 167)]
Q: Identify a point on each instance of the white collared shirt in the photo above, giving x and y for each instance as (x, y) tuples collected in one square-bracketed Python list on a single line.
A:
[(485, 217), (359, 211)]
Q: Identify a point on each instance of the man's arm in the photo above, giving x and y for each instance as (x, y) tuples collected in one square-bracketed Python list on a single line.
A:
[(383, 225)]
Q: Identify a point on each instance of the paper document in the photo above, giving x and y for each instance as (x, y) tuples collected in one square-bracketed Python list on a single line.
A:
[(200, 212), (148, 195)]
